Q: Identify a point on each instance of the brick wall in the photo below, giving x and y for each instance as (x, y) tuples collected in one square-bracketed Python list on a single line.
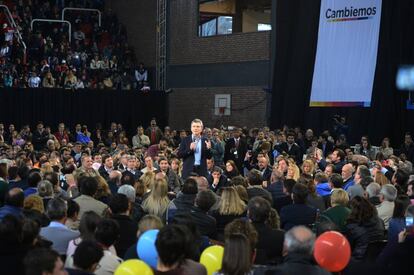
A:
[(187, 48), (248, 103), (140, 19), (248, 106)]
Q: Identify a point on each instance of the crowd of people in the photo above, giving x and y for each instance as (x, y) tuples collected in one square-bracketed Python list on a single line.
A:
[(93, 56), (78, 201)]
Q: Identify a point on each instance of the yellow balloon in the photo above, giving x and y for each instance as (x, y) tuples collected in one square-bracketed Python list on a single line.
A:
[(211, 258), (133, 267)]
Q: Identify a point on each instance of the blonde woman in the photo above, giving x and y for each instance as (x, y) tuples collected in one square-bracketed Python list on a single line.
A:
[(293, 172), (148, 179), (339, 212), (103, 193), (380, 178), (157, 201), (177, 166), (241, 190), (308, 167), (230, 207)]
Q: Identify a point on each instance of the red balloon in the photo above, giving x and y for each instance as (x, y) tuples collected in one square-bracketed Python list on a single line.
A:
[(332, 251)]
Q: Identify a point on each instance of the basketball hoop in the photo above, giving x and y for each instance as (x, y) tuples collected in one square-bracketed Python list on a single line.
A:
[(222, 110)]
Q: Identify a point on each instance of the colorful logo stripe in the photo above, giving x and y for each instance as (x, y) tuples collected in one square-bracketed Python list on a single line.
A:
[(339, 104), (350, 19)]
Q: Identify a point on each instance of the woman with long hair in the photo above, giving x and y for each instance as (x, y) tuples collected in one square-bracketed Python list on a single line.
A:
[(293, 171), (87, 227), (313, 199), (238, 256), (177, 166), (363, 226), (230, 208), (397, 222), (147, 181), (103, 193), (308, 167), (381, 179), (157, 202), (366, 148), (231, 170)]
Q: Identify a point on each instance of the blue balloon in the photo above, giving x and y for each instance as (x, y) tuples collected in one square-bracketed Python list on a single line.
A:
[(146, 249)]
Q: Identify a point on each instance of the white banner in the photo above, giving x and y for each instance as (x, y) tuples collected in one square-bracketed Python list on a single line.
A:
[(346, 56)]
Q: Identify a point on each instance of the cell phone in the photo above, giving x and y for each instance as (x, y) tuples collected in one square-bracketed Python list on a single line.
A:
[(409, 221), (405, 78)]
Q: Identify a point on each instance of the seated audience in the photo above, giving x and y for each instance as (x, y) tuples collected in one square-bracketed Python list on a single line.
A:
[(279, 203), (397, 222), (206, 224), (175, 238), (86, 258), (184, 202), (339, 212), (217, 179), (120, 209), (363, 226), (57, 232), (238, 256), (147, 222), (43, 261), (230, 208), (107, 234), (87, 202), (385, 209), (13, 203), (255, 186), (157, 201), (270, 242), (298, 213), (298, 248)]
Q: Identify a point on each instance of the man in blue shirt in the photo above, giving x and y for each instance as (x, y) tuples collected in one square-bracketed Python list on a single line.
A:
[(347, 175), (195, 150)]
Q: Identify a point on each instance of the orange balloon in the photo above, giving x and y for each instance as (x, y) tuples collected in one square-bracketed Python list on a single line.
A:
[(332, 251)]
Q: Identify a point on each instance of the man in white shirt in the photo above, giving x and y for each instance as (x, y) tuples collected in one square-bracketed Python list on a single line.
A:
[(141, 75), (140, 139), (388, 194), (34, 81)]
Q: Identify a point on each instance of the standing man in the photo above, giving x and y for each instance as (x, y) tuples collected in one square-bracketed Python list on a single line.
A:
[(236, 149), (195, 150), (40, 137), (140, 139), (153, 132)]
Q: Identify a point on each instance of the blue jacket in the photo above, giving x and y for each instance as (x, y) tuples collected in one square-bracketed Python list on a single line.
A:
[(10, 210), (349, 183), (82, 138), (323, 189), (30, 191)]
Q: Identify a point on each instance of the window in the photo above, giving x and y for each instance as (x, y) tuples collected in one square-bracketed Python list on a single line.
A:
[(216, 25), (219, 17), (264, 27)]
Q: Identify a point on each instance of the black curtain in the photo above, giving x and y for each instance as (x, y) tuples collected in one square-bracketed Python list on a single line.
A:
[(90, 107), (295, 34)]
